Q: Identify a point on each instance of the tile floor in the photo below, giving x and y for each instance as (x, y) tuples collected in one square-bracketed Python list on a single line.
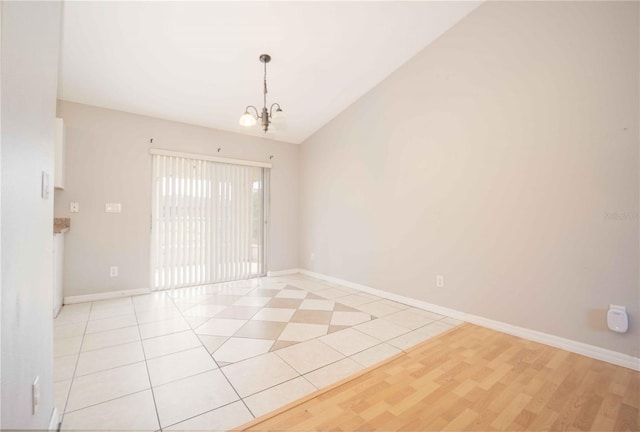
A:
[(216, 356)]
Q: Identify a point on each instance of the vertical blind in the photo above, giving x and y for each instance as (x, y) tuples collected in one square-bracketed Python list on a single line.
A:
[(207, 221)]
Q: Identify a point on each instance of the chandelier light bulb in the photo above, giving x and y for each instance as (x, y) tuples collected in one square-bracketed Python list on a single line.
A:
[(247, 120), (279, 120), (278, 116)]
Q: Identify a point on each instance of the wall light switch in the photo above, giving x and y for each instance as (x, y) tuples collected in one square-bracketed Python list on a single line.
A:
[(35, 395), (45, 186), (113, 208), (74, 207)]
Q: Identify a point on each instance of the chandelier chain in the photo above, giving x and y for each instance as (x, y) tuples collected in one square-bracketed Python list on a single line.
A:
[(265, 85)]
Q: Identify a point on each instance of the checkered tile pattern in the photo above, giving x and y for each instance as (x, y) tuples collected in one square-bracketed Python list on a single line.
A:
[(237, 322), (213, 357)]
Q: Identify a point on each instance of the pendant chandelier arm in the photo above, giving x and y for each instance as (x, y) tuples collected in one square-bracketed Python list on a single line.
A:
[(271, 108), (254, 108)]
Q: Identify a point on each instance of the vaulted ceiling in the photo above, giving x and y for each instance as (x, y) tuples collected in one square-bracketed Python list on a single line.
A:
[(197, 62)]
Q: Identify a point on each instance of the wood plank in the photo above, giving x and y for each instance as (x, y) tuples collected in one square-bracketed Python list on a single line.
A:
[(627, 419), (471, 378)]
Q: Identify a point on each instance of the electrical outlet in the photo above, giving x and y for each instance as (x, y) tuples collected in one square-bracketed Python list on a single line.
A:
[(313, 256), (440, 281), (113, 271), (113, 208), (35, 394), (74, 207)]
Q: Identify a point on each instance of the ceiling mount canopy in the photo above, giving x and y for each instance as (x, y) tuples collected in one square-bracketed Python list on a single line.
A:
[(265, 58), (268, 117)]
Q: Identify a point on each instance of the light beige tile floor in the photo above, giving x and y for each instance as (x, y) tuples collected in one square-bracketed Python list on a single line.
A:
[(216, 356)]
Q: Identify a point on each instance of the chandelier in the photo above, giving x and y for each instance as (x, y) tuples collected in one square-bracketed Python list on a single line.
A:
[(268, 117)]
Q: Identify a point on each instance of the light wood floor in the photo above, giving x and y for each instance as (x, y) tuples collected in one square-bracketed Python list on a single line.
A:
[(472, 378)]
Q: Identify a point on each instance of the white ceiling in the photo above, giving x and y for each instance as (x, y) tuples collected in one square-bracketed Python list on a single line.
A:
[(197, 62)]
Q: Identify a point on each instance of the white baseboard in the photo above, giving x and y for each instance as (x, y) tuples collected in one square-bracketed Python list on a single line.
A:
[(581, 348), (105, 295), (391, 296), (282, 272), (54, 423)]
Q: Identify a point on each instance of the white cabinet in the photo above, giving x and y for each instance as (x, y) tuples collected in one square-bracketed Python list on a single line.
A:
[(58, 169), (58, 255)]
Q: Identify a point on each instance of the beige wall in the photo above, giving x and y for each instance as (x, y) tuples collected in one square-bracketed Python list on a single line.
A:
[(107, 160), (504, 156), (30, 35)]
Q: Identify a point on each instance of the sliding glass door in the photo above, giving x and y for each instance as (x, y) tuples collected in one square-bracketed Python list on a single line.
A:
[(208, 221)]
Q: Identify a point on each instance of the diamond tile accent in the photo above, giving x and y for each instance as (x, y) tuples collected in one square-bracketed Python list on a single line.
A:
[(301, 332), (282, 344), (336, 328), (261, 330), (274, 314), (287, 303), (290, 293), (313, 304), (339, 307), (212, 343), (312, 317), (266, 341)]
